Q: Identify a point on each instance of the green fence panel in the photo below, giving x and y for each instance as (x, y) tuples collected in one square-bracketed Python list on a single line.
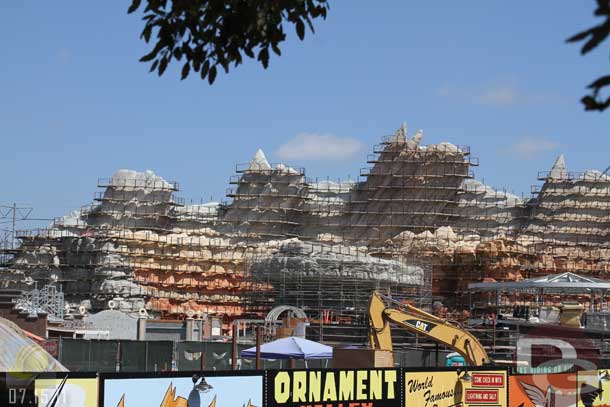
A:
[(218, 356), (133, 356), (159, 356), (74, 354), (188, 355), (103, 355)]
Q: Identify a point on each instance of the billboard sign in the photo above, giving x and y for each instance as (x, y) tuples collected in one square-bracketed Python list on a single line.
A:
[(334, 388), (455, 388), (212, 389)]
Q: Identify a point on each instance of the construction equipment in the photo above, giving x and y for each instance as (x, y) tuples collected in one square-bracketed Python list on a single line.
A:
[(421, 323), (571, 314)]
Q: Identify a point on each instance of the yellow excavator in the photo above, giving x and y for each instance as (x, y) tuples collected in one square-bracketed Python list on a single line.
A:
[(422, 323)]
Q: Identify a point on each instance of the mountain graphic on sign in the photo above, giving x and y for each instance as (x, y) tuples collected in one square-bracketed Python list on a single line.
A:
[(171, 400)]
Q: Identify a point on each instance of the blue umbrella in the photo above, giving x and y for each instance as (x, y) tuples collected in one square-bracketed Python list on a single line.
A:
[(291, 348)]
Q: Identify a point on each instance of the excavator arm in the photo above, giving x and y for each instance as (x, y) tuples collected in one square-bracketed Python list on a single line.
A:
[(422, 323)]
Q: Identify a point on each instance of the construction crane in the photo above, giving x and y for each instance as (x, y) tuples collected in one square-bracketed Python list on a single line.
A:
[(422, 323)]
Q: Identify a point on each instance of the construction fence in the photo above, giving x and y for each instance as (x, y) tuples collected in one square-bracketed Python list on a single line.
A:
[(164, 356)]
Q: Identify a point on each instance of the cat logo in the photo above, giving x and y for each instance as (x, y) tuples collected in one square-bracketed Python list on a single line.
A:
[(420, 325)]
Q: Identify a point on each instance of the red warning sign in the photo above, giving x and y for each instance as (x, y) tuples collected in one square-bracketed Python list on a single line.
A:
[(487, 380), (481, 396)]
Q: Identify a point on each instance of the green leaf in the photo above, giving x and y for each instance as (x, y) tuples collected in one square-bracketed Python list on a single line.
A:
[(152, 54), (204, 69), (580, 36), (598, 35), (263, 56), (177, 53), (300, 29), (154, 65), (223, 33), (212, 75), (275, 49), (590, 103), (162, 65), (600, 82), (310, 24), (185, 71), (146, 32), (149, 57), (134, 6)]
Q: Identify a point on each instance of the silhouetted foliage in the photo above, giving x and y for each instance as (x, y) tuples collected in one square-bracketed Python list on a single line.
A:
[(212, 34), (592, 38)]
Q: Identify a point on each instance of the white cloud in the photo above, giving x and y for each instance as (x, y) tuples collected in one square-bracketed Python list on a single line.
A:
[(499, 93), (314, 146), (529, 147)]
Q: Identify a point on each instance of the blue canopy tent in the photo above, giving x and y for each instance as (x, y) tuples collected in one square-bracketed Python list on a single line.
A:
[(291, 348)]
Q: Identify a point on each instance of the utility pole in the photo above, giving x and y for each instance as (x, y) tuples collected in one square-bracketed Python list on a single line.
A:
[(11, 214), (14, 225)]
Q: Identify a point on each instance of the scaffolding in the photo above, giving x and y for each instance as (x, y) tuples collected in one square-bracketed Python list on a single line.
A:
[(416, 207), (48, 301), (138, 246), (333, 286), (267, 200)]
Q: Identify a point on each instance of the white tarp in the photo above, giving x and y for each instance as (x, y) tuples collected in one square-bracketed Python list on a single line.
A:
[(18, 353)]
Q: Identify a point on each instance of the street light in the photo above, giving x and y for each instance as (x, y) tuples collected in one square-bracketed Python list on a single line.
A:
[(466, 377)]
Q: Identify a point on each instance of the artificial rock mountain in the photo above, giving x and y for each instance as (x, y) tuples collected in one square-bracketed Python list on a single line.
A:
[(416, 221)]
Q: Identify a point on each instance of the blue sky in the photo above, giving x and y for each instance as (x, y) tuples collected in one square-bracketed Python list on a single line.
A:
[(76, 105)]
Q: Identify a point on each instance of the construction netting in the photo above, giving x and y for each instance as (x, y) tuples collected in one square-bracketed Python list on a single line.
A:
[(116, 356)]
